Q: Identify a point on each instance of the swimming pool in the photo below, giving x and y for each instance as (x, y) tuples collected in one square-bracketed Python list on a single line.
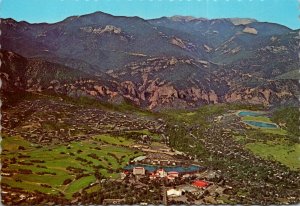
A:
[(249, 113), (261, 124), (180, 169)]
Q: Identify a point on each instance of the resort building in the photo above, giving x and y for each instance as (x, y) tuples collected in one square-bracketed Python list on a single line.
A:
[(139, 171), (174, 193), (200, 184)]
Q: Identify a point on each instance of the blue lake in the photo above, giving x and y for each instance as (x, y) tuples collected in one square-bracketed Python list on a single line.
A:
[(152, 168), (249, 113), (261, 124)]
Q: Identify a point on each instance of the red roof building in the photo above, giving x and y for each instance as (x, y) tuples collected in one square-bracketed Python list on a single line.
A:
[(200, 183)]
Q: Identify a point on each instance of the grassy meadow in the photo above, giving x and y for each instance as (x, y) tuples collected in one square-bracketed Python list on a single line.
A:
[(64, 168)]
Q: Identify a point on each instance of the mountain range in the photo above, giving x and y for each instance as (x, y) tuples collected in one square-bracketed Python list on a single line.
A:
[(177, 61)]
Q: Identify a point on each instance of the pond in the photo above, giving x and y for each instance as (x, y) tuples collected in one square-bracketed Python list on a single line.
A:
[(249, 113), (262, 124), (180, 169)]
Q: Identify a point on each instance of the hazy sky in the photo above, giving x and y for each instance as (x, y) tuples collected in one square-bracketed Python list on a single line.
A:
[(279, 11)]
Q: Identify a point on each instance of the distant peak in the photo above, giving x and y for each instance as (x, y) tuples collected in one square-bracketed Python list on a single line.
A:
[(184, 18), (8, 20), (97, 13), (242, 21), (94, 14)]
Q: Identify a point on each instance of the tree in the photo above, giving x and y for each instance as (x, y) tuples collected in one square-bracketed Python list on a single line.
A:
[(98, 175)]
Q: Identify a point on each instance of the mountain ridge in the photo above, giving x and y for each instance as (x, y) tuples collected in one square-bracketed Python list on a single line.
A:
[(164, 63), (174, 17)]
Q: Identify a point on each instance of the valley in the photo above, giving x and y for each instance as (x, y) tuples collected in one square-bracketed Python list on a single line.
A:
[(75, 155)]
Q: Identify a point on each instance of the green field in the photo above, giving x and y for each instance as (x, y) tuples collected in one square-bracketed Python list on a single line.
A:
[(79, 184), (278, 131), (52, 165), (284, 153), (107, 139)]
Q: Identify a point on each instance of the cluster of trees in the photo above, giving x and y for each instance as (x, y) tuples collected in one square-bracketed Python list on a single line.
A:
[(180, 138), (288, 116), (130, 193), (33, 198)]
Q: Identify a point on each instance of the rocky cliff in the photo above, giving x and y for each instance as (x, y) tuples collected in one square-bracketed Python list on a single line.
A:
[(159, 63)]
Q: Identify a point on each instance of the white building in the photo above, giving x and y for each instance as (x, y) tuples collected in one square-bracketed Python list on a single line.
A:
[(140, 158), (174, 193), (139, 171)]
